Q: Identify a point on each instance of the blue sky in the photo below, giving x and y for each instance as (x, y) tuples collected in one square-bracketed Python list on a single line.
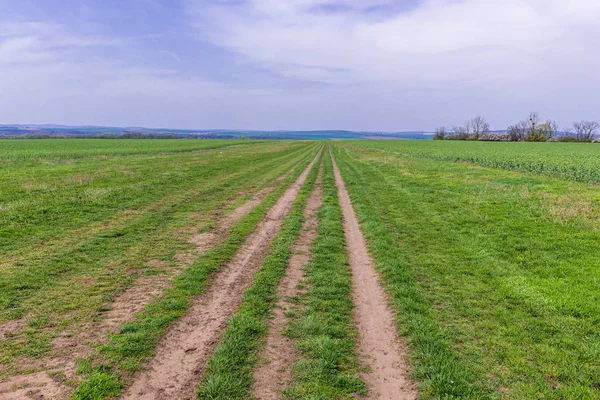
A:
[(298, 64)]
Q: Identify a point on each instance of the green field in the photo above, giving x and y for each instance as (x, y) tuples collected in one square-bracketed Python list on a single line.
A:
[(76, 230), (68, 149), (579, 161), (493, 273), (489, 253)]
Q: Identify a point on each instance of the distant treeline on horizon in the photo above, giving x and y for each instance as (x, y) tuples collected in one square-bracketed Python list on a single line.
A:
[(532, 129), (94, 132)]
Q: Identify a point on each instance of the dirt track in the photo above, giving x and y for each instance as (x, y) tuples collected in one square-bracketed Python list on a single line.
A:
[(182, 353), (146, 289), (378, 344), (273, 375), (66, 350)]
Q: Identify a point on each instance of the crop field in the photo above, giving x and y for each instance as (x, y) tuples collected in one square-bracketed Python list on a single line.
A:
[(578, 161), (219, 269)]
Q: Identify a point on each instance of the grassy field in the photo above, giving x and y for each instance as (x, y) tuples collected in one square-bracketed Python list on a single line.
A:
[(78, 230), (70, 149), (579, 161), (493, 273), (489, 253)]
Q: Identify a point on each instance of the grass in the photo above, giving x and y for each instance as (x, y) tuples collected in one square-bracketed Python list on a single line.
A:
[(489, 252), (64, 264), (69, 149), (228, 373), (323, 330), (493, 273), (125, 352), (45, 198), (579, 161)]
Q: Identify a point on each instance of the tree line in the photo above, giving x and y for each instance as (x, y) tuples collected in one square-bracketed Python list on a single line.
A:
[(532, 129)]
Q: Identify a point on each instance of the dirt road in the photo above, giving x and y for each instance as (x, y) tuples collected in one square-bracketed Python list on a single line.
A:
[(182, 353), (273, 374), (379, 346)]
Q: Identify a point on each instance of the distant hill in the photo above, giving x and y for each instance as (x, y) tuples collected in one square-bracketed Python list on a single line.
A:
[(88, 130)]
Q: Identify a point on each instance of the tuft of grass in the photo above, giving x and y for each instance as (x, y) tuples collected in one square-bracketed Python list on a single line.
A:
[(127, 351), (228, 372), (99, 385), (323, 330)]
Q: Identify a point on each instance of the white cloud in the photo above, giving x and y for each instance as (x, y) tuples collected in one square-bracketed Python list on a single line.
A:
[(436, 42), (49, 74), (379, 65), (417, 65)]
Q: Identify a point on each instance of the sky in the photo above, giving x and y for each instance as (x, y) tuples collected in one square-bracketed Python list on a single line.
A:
[(364, 65)]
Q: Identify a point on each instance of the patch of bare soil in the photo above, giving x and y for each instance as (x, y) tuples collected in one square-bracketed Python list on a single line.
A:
[(378, 346), (250, 204), (11, 327), (44, 384), (182, 353), (274, 373), (39, 386)]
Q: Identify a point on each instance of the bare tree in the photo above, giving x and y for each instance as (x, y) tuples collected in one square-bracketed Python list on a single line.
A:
[(585, 131), (534, 118), (568, 132), (478, 126), (440, 133), (532, 129), (553, 128), (518, 132), (460, 132), (513, 133), (547, 130), (532, 124)]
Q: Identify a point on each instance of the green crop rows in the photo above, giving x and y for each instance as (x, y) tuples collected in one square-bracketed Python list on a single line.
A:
[(579, 161)]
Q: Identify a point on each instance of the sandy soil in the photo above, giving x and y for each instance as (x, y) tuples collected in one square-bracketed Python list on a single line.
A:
[(182, 353), (273, 374), (379, 346), (40, 386), (45, 384)]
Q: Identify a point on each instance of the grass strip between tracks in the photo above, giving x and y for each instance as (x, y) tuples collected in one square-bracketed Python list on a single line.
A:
[(323, 330), (105, 373), (435, 365), (229, 369)]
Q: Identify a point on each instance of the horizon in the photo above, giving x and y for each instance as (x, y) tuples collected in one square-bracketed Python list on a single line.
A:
[(66, 126), (302, 65)]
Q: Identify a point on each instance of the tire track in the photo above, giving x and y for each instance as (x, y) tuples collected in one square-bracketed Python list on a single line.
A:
[(49, 383), (378, 346), (182, 353), (145, 289), (272, 376)]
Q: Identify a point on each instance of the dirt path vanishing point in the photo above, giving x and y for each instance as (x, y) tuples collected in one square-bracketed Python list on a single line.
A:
[(272, 376), (69, 348), (378, 346), (181, 355)]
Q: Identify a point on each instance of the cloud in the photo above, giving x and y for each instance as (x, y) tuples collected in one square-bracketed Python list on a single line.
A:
[(419, 63), (434, 42), (51, 74), (35, 42), (300, 64)]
